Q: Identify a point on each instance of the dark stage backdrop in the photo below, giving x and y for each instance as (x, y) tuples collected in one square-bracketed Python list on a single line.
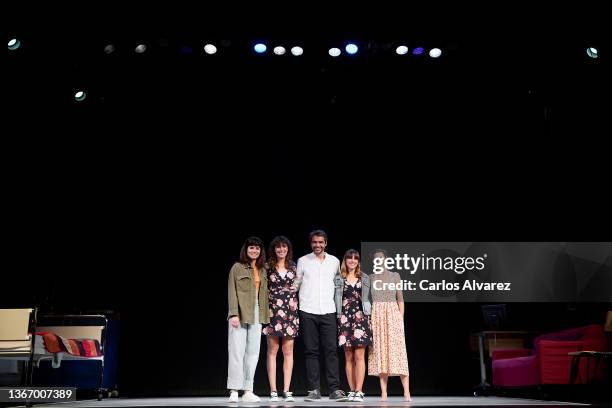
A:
[(138, 199), (169, 289)]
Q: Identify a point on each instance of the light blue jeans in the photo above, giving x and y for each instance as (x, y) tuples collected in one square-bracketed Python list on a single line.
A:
[(243, 353)]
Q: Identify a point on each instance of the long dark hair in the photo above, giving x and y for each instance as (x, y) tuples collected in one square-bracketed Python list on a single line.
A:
[(272, 259), (253, 241), (351, 253)]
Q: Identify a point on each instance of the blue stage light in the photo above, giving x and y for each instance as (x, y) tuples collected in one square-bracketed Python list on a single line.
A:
[(260, 48), (351, 49)]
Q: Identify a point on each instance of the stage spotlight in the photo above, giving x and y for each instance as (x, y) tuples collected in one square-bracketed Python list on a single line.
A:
[(210, 49), (260, 48), (109, 49), (351, 49), (140, 48), (435, 52), (297, 51), (186, 50), (592, 52), (401, 50), (334, 52), (418, 51), (13, 44), (279, 50), (80, 96)]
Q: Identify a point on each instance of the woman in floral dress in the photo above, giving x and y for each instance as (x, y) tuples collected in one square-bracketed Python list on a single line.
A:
[(353, 307), (284, 319)]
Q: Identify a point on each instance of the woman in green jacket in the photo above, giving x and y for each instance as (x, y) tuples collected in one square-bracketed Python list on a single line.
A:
[(247, 292)]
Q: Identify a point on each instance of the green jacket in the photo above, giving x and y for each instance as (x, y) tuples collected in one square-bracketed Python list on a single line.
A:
[(241, 294)]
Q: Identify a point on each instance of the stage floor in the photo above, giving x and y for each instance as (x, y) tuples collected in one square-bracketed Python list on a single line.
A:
[(372, 401)]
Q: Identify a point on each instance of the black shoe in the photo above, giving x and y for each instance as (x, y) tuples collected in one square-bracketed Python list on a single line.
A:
[(338, 396), (314, 395)]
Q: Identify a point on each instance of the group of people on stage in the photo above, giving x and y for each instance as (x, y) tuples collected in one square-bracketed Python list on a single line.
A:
[(327, 303)]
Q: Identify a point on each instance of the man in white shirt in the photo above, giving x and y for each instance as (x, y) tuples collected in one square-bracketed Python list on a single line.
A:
[(318, 327)]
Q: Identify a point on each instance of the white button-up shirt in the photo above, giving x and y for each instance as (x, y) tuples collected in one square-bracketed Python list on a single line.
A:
[(316, 283)]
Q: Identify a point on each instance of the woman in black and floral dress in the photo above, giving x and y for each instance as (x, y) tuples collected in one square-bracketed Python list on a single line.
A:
[(353, 307), (284, 319)]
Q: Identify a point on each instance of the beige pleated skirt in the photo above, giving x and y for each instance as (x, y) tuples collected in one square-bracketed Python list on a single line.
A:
[(387, 354)]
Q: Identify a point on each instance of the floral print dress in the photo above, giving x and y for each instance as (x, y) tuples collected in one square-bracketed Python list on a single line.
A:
[(284, 318), (354, 329), (387, 355)]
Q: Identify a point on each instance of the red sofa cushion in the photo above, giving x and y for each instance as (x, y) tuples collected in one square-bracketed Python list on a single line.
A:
[(594, 331), (555, 364)]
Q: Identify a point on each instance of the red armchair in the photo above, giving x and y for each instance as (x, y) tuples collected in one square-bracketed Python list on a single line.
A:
[(548, 362)]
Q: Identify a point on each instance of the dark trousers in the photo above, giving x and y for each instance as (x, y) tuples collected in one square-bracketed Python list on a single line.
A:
[(320, 332)]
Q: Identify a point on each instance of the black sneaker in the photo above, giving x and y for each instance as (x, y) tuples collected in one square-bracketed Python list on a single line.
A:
[(314, 395), (338, 396)]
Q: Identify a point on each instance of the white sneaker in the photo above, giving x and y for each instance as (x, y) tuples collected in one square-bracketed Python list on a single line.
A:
[(274, 396), (288, 396), (359, 396), (233, 396), (351, 395), (248, 396)]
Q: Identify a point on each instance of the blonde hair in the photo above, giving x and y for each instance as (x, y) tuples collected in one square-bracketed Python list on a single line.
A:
[(351, 253)]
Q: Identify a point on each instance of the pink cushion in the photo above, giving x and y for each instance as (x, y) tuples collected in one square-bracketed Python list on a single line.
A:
[(516, 372), (500, 354)]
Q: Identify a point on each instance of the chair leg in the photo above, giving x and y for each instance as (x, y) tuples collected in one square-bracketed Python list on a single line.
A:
[(28, 368), (101, 382)]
